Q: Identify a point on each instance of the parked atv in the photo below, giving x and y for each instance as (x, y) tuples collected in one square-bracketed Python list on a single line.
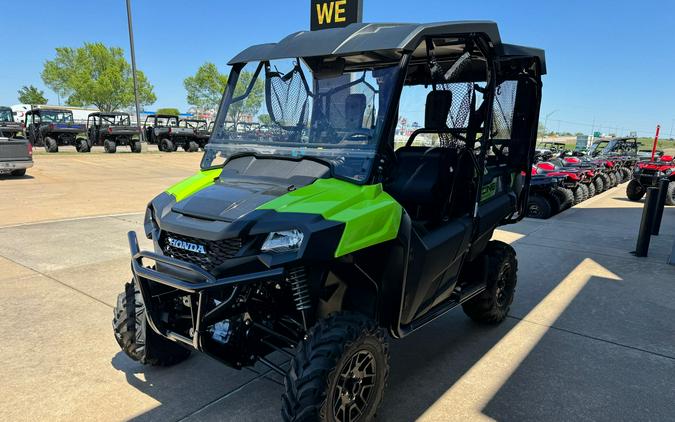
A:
[(163, 131), (578, 181), (649, 174), (53, 127), (548, 196), (317, 244), (112, 129), (8, 127), (201, 133)]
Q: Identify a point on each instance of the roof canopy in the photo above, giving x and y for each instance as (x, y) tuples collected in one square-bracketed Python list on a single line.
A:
[(363, 37)]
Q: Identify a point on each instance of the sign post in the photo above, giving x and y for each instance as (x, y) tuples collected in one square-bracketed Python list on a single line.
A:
[(326, 14)]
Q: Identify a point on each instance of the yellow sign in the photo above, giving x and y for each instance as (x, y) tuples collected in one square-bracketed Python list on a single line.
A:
[(335, 13)]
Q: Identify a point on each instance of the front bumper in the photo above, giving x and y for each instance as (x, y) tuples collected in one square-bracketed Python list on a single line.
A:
[(15, 165), (193, 282), (650, 180)]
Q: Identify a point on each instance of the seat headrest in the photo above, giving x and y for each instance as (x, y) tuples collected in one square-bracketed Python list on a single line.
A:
[(438, 109), (355, 109)]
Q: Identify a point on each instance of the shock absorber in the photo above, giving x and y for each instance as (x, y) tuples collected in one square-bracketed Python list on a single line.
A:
[(297, 277)]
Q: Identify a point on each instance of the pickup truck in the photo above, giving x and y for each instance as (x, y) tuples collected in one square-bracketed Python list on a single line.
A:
[(16, 155)]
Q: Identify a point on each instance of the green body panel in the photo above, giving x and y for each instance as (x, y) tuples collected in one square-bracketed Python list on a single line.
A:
[(371, 216), (192, 184)]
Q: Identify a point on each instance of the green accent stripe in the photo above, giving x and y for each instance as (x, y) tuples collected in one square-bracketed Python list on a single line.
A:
[(193, 184), (371, 216)]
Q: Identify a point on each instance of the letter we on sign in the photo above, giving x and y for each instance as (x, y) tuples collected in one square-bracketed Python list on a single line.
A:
[(335, 13)]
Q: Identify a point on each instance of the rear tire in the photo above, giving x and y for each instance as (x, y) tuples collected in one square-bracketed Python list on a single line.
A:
[(626, 174), (635, 191), (539, 207), (136, 146), (51, 145), (191, 146), (670, 195), (82, 145), (109, 146), (606, 181), (493, 304), (166, 145), (591, 190), (18, 173), (612, 180), (343, 361), (136, 338)]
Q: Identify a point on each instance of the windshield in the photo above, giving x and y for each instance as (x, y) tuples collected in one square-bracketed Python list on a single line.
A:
[(54, 116), (194, 124), (281, 108), (115, 119), (6, 115)]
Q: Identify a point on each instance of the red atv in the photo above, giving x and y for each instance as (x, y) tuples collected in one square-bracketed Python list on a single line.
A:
[(578, 180), (648, 174)]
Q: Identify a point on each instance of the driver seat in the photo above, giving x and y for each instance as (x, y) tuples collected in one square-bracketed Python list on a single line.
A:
[(355, 110)]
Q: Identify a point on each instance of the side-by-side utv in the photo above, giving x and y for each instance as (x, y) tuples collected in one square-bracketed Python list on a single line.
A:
[(8, 127), (317, 242), (113, 129), (163, 130), (52, 127)]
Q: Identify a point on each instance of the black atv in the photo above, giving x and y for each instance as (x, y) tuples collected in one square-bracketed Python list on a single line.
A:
[(112, 129), (201, 131), (163, 131), (53, 127), (316, 244), (8, 127)]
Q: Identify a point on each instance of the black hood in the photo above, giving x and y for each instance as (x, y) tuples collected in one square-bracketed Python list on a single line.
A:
[(229, 200)]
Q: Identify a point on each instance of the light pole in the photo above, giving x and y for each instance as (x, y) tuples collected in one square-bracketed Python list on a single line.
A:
[(546, 123), (133, 71)]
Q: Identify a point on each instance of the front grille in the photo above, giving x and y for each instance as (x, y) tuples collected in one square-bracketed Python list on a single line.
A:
[(216, 251)]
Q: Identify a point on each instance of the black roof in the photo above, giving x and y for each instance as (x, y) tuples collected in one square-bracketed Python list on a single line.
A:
[(108, 113), (58, 110), (363, 37)]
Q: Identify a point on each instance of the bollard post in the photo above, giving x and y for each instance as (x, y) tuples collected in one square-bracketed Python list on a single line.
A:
[(644, 236), (660, 205)]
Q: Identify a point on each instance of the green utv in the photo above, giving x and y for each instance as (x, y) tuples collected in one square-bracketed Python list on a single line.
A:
[(335, 227)]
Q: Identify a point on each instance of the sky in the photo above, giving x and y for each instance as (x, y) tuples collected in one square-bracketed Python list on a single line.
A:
[(610, 63)]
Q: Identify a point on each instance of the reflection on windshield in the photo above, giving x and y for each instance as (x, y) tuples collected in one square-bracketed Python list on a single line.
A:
[(6, 115), (56, 116), (280, 108)]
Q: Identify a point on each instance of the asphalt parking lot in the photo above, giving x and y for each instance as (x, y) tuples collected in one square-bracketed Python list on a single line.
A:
[(591, 334)]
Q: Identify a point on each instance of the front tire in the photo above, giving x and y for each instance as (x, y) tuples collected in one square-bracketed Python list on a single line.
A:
[(82, 145), (493, 304), (340, 368), (635, 191), (670, 195), (135, 337), (136, 147)]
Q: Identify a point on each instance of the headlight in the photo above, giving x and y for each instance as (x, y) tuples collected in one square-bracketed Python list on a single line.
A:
[(283, 241)]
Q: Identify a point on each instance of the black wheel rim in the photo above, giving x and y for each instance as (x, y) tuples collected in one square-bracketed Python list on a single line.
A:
[(533, 210), (354, 387), (502, 293)]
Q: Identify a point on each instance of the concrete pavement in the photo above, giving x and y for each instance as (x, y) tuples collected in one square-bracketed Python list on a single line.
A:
[(591, 334)]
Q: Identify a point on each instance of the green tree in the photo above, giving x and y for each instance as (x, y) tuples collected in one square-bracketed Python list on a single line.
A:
[(170, 111), (31, 95), (206, 87), (251, 104), (97, 75), (265, 119)]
